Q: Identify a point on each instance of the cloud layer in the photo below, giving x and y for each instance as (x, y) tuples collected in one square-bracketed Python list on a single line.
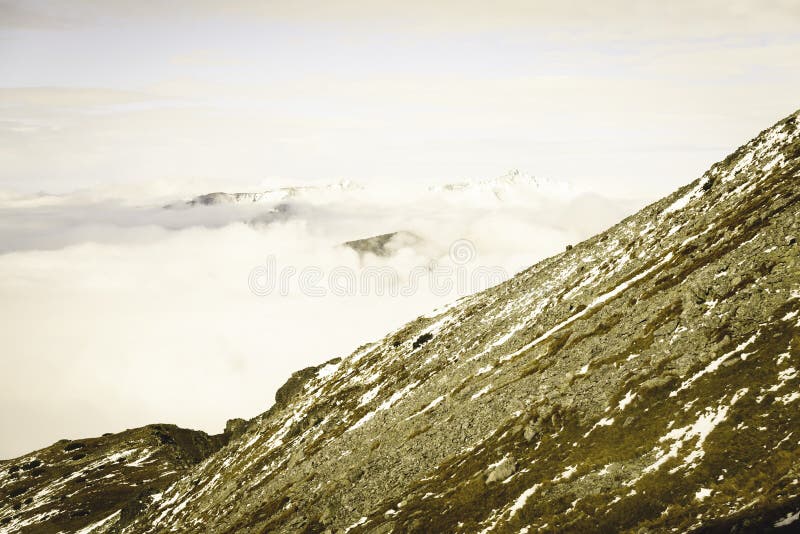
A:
[(117, 314)]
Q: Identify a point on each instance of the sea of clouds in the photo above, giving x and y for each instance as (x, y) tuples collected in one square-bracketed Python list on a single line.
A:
[(118, 312)]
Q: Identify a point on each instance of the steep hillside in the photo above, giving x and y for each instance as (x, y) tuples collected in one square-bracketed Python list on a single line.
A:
[(646, 379), (73, 485)]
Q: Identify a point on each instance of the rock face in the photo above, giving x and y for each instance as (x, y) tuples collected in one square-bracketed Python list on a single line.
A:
[(645, 380), (99, 481)]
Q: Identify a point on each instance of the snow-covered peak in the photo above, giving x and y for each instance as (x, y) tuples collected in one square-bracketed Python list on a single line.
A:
[(321, 192), (509, 184)]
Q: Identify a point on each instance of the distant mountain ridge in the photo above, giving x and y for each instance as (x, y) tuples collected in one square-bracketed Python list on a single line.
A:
[(645, 380), (277, 195), (502, 188)]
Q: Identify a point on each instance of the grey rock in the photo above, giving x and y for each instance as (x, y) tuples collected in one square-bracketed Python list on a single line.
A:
[(506, 468)]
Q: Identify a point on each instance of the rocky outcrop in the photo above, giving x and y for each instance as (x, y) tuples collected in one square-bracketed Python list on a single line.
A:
[(384, 245), (235, 427), (297, 382)]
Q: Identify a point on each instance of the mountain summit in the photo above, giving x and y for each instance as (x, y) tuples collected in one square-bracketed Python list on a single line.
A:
[(645, 380), (270, 196), (507, 186)]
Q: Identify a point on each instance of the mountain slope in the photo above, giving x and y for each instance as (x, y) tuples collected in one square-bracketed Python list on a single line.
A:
[(646, 379), (107, 480)]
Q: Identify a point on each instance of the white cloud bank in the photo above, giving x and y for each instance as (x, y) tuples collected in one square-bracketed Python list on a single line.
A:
[(118, 314)]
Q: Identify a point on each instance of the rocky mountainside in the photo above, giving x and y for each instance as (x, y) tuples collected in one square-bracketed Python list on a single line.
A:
[(645, 380), (72, 485)]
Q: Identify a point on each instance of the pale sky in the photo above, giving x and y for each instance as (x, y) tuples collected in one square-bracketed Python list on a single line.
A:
[(633, 97)]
